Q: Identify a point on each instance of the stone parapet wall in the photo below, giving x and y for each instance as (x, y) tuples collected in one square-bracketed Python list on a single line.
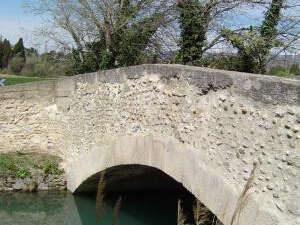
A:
[(28, 118), (236, 121)]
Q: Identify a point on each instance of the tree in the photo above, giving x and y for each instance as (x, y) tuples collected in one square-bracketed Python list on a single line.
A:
[(254, 45), (193, 31), (123, 27), (29, 52), (1, 52), (19, 50), (195, 19), (7, 53)]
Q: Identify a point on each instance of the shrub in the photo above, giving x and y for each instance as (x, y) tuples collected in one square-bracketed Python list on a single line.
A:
[(223, 62), (16, 65), (280, 71), (50, 166), (28, 68), (7, 164), (41, 68), (295, 69), (22, 173)]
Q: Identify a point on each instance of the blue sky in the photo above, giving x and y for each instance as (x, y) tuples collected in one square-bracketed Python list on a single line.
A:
[(15, 23)]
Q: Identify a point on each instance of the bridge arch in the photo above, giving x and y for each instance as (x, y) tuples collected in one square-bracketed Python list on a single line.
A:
[(181, 162)]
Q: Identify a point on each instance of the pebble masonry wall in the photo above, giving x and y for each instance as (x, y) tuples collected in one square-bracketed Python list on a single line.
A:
[(238, 120)]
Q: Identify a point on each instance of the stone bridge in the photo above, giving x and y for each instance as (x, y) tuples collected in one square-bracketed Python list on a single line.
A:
[(231, 139)]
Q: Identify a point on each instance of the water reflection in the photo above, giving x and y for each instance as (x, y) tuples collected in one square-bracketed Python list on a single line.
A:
[(66, 209)]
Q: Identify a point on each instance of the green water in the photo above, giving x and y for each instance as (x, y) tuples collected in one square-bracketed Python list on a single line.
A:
[(66, 209)]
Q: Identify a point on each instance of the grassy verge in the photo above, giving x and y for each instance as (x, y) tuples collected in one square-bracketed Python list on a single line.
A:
[(23, 165), (11, 79)]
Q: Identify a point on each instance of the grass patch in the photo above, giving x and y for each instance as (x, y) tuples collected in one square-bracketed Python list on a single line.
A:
[(23, 165), (14, 79), (20, 80)]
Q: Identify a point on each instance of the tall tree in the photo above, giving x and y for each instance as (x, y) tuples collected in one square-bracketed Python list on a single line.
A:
[(255, 44), (193, 31), (1, 52), (195, 19), (7, 53), (19, 50)]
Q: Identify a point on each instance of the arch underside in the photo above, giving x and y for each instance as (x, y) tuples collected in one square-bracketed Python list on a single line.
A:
[(128, 178), (165, 156)]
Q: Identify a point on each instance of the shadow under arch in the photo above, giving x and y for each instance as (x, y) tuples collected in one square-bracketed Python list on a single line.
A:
[(132, 177), (183, 163), (149, 196)]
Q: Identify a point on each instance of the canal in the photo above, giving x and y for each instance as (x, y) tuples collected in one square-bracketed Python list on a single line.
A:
[(148, 197), (143, 208)]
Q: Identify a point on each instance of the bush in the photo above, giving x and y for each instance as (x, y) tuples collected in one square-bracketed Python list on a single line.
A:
[(41, 69), (7, 164), (28, 69), (51, 167), (295, 69), (223, 62), (279, 71), (22, 173), (16, 65)]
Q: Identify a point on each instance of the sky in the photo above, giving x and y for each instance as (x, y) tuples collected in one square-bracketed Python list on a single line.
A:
[(16, 23)]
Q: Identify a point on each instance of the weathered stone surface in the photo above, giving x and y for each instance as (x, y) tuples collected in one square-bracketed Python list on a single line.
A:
[(205, 128), (40, 183)]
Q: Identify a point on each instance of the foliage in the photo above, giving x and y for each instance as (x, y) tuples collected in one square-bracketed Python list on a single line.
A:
[(278, 71), (9, 166), (295, 69), (50, 64), (50, 166), (21, 164), (7, 163), (19, 50), (6, 53), (31, 52), (106, 34), (1, 53), (28, 62), (22, 173), (223, 62), (254, 45), (282, 71), (16, 65), (136, 39), (95, 58), (193, 31)]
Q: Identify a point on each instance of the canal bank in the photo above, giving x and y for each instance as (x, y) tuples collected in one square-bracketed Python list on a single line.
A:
[(30, 172)]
